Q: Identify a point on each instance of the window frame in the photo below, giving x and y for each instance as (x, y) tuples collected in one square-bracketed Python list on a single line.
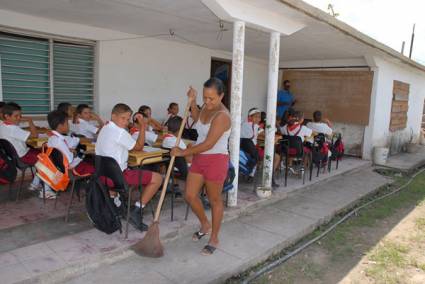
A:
[(51, 39)]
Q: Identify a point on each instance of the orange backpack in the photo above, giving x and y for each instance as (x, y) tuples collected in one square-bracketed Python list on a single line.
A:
[(49, 173)]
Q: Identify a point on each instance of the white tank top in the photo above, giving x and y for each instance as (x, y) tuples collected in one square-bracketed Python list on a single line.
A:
[(221, 146)]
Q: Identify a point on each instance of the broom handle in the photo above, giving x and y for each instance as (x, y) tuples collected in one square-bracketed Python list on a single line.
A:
[(171, 164)]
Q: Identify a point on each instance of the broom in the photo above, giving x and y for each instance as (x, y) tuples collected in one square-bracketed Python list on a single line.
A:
[(150, 245)]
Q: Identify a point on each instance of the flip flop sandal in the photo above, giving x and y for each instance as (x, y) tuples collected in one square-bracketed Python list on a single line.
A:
[(198, 236), (208, 250)]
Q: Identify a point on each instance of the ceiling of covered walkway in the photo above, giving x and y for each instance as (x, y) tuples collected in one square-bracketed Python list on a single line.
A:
[(192, 22)]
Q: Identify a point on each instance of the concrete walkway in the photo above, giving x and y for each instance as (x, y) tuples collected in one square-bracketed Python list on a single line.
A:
[(407, 162), (245, 240), (35, 243)]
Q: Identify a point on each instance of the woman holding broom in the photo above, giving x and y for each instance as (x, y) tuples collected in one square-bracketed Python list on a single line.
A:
[(210, 159)]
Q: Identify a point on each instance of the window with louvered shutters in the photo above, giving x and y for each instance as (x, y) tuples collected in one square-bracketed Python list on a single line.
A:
[(25, 72), (73, 73)]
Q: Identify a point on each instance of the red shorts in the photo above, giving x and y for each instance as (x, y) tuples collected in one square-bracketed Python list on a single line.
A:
[(213, 167), (132, 177), (84, 168), (30, 158)]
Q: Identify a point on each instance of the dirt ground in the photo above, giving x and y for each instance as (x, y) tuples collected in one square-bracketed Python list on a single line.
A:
[(383, 244)]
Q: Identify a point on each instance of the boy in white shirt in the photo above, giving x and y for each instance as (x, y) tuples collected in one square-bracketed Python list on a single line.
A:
[(150, 136), (294, 127), (58, 138), (170, 141), (70, 111), (82, 125), (249, 134), (319, 125), (114, 141), (10, 131)]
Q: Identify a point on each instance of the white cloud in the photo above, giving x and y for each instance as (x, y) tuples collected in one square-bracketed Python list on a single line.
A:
[(388, 21)]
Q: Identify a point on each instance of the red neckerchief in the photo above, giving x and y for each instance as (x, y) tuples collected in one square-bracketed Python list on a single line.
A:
[(134, 130), (293, 127), (8, 123), (168, 135)]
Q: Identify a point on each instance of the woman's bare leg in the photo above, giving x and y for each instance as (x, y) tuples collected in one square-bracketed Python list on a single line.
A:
[(214, 196), (194, 183)]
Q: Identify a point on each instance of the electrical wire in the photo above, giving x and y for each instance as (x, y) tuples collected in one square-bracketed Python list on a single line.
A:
[(289, 255)]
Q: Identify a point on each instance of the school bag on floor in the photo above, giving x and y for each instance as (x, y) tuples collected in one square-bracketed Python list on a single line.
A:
[(101, 211), (8, 170), (53, 170)]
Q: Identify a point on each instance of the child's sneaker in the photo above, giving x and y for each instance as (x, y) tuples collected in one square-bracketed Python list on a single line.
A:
[(49, 194), (33, 187)]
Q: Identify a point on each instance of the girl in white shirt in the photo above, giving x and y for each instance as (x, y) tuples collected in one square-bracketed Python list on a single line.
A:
[(249, 133)]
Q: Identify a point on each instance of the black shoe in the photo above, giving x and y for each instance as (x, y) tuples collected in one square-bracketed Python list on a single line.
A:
[(274, 184), (136, 219), (250, 179), (178, 194)]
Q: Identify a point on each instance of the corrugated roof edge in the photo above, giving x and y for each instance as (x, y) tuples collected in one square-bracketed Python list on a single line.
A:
[(322, 16)]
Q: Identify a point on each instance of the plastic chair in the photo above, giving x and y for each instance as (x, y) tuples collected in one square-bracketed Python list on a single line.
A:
[(74, 176), (293, 148)]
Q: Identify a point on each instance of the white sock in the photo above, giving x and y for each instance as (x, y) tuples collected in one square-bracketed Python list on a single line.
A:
[(252, 174), (138, 204), (36, 181)]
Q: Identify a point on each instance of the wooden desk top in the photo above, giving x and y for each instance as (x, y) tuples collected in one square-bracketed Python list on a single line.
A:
[(37, 142), (135, 158), (154, 155)]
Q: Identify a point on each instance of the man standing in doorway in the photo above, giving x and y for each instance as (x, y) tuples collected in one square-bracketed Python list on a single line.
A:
[(285, 99)]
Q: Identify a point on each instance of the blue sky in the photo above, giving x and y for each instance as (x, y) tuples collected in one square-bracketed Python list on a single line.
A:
[(388, 21)]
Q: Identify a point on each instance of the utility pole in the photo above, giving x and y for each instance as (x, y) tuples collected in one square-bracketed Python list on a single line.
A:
[(412, 41)]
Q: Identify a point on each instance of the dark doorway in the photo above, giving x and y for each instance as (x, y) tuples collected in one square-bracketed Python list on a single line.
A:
[(222, 69)]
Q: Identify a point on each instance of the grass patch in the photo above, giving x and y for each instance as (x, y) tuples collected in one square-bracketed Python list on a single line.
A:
[(420, 224), (341, 243), (387, 258)]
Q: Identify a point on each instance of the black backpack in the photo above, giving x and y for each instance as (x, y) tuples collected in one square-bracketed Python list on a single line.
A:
[(8, 170), (101, 210)]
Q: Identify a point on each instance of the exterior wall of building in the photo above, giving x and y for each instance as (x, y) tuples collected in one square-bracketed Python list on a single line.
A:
[(156, 72), (378, 132)]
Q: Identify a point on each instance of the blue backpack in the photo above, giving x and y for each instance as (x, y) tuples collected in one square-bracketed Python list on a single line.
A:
[(228, 183), (244, 163)]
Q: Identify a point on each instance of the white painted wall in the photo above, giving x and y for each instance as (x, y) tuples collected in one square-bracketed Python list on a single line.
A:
[(156, 72), (378, 134), (145, 71)]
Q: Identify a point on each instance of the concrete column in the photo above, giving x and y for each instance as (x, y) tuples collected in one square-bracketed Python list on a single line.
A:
[(271, 108), (236, 102)]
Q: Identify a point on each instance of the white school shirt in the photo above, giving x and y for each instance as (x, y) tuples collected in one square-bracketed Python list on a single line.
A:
[(115, 142), (64, 143), (250, 131), (320, 127), (150, 136), (16, 136), (72, 126), (85, 128), (170, 142), (304, 132)]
